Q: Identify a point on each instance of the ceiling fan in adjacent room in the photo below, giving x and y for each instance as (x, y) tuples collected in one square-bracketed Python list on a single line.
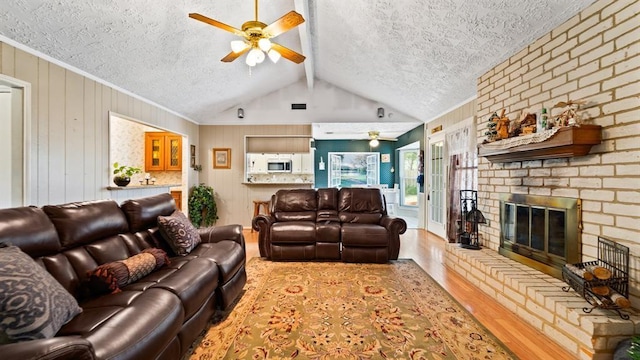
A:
[(256, 37), (374, 137)]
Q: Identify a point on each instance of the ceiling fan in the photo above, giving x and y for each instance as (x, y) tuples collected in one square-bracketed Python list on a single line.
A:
[(256, 37), (374, 137)]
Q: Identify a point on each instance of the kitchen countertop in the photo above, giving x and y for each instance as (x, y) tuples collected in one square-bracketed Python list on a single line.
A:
[(277, 183), (131, 186)]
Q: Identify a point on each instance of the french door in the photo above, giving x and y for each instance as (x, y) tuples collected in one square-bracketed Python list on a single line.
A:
[(436, 185)]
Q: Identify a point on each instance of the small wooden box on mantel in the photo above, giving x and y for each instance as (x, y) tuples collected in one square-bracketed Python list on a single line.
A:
[(569, 141)]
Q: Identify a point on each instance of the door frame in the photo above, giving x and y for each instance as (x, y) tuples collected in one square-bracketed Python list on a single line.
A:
[(26, 135)]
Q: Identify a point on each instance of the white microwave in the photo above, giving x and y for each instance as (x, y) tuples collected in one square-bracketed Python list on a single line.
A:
[(279, 166)]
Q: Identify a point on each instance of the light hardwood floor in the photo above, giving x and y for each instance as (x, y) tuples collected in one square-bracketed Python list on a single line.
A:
[(428, 251)]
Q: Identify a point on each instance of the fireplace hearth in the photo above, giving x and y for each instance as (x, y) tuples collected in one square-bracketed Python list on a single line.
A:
[(542, 232)]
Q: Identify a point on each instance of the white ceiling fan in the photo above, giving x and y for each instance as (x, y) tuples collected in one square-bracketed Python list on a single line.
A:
[(374, 138)]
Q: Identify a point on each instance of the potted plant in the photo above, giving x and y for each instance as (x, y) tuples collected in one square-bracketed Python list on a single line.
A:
[(202, 206), (122, 173)]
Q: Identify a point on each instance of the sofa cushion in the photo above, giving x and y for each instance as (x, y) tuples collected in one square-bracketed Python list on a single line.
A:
[(293, 232), (111, 277), (129, 324), (32, 303), (295, 205), (143, 213), (228, 256), (364, 235), (193, 282), (179, 233), (30, 229), (360, 200), (360, 205), (99, 219)]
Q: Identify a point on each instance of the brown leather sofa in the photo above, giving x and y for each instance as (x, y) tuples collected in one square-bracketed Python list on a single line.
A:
[(156, 317), (350, 224)]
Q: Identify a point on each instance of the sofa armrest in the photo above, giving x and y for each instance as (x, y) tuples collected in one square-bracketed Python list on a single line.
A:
[(62, 348), (214, 234), (262, 223), (395, 226)]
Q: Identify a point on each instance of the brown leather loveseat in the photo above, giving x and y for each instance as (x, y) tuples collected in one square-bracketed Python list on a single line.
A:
[(350, 224), (156, 317)]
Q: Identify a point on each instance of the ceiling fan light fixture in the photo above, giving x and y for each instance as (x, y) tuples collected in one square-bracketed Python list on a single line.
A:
[(264, 44), (374, 143), (250, 60), (255, 56), (238, 46), (259, 55), (274, 56)]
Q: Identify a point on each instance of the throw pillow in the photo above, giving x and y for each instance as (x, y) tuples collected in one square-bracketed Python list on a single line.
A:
[(110, 277), (33, 304), (178, 231)]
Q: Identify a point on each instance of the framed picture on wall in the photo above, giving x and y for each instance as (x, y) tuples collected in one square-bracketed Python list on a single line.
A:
[(193, 156), (221, 158)]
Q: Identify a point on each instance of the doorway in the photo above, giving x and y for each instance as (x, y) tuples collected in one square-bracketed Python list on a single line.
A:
[(408, 169), (15, 120)]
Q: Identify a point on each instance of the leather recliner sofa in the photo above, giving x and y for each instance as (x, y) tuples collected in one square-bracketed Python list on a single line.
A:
[(157, 317), (349, 224)]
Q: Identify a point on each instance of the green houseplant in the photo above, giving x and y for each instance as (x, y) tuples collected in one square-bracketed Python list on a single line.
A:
[(122, 173), (202, 206)]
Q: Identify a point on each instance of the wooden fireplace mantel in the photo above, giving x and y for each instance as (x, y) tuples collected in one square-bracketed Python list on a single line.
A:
[(567, 142)]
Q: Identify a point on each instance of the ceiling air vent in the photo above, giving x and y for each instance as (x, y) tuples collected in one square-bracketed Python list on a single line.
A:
[(298, 106)]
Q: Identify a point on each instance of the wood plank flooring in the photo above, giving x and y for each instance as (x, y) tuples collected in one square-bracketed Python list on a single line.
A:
[(428, 251)]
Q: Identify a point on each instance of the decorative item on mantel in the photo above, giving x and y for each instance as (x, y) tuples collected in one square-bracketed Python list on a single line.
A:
[(123, 173), (569, 117), (565, 135)]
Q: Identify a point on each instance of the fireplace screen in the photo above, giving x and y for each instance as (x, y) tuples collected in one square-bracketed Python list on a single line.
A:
[(540, 231)]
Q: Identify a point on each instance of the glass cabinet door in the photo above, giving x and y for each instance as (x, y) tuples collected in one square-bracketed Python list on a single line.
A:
[(154, 152), (174, 153)]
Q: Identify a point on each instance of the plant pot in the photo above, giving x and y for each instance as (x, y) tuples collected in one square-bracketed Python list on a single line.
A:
[(121, 180)]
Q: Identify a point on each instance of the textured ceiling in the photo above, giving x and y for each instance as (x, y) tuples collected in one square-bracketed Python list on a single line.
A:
[(418, 57)]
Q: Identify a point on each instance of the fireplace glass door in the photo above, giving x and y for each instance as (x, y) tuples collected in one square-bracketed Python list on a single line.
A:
[(540, 231)]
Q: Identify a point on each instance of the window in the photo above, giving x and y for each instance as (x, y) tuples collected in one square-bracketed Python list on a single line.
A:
[(409, 177), (354, 169)]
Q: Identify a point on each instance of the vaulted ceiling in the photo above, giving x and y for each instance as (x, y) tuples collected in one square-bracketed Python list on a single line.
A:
[(416, 56)]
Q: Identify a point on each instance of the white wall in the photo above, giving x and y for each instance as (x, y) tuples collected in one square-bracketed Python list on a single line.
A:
[(325, 103), (69, 146)]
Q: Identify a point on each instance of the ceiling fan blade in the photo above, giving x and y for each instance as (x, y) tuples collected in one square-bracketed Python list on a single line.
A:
[(284, 24), (234, 55), (288, 53), (217, 24)]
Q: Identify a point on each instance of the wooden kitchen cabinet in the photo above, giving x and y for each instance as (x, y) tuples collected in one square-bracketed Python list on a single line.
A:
[(177, 196), (163, 152)]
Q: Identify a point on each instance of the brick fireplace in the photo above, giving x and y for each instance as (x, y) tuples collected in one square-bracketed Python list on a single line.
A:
[(593, 57)]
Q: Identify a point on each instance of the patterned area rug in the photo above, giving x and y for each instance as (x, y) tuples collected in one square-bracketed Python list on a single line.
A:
[(345, 311)]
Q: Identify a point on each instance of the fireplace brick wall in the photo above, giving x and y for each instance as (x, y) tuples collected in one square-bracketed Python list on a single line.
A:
[(595, 57)]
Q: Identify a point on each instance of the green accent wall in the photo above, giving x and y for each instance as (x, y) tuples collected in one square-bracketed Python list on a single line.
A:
[(323, 147)]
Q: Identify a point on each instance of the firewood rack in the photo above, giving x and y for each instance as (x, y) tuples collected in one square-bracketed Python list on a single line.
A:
[(613, 257)]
